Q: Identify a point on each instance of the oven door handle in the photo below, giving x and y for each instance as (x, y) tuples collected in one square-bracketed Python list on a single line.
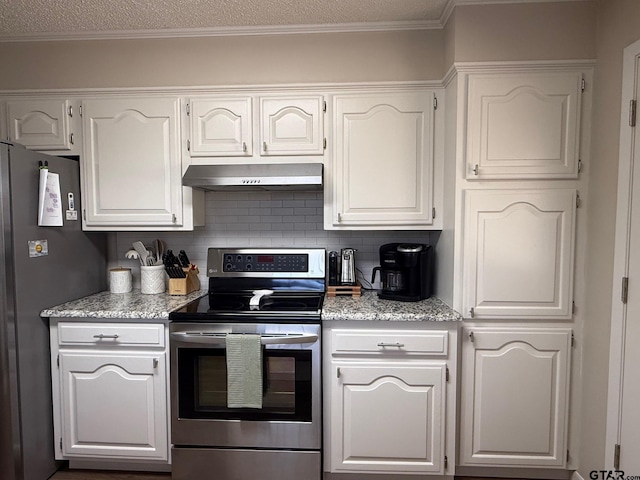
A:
[(220, 338)]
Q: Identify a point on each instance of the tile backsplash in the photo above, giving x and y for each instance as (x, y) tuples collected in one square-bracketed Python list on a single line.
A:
[(264, 219)]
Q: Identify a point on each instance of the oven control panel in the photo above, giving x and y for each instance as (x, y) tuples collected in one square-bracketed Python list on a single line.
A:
[(265, 262)]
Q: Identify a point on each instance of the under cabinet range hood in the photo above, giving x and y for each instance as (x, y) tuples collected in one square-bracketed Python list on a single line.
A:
[(276, 176)]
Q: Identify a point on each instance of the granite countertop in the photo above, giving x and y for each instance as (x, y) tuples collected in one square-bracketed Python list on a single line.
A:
[(123, 305), (370, 307)]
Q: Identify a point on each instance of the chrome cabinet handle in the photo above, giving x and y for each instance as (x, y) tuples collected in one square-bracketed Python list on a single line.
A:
[(396, 344), (264, 146), (71, 139), (102, 335), (476, 170), (244, 146)]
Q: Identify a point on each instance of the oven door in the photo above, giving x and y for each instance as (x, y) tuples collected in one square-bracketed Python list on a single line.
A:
[(290, 417)]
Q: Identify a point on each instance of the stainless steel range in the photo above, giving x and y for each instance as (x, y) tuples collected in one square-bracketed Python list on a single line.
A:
[(272, 299)]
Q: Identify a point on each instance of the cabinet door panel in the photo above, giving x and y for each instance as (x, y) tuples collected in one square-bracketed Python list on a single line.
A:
[(383, 172), (133, 169), (40, 124), (523, 125), (220, 127), (94, 422), (514, 402), (407, 403), (518, 254), (292, 125)]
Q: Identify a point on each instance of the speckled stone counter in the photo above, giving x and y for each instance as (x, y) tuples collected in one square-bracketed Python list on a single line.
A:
[(134, 305), (370, 307)]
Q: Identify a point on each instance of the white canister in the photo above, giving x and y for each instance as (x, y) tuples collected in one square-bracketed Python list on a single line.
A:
[(152, 279), (120, 280)]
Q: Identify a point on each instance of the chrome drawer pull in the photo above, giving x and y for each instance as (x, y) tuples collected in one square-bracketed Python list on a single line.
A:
[(385, 344), (102, 335)]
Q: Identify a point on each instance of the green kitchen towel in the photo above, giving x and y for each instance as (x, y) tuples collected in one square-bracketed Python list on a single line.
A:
[(244, 371)]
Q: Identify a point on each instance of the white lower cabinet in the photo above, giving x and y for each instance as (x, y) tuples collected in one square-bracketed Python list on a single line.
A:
[(387, 399), (110, 391), (515, 396)]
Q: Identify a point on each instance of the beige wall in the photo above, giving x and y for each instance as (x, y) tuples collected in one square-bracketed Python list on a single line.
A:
[(528, 31), (239, 60), (618, 26)]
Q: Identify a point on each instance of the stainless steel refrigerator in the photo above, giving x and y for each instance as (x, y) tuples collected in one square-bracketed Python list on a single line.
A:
[(74, 266)]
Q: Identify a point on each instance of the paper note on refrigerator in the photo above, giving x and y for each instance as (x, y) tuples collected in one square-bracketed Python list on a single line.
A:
[(49, 202)]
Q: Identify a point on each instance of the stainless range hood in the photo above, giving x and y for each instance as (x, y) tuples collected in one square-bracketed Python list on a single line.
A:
[(281, 176)]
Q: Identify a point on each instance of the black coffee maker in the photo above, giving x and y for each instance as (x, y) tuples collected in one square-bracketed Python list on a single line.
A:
[(406, 271)]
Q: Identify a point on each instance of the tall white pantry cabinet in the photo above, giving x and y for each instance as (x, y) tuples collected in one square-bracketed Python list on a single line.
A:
[(520, 137)]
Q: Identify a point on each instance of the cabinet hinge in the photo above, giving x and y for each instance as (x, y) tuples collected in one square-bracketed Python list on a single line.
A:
[(324, 143), (471, 337), (579, 166), (188, 145), (446, 374), (632, 113), (71, 110), (446, 462), (625, 289), (578, 200), (324, 105), (188, 109), (435, 102), (433, 212), (583, 84), (616, 456)]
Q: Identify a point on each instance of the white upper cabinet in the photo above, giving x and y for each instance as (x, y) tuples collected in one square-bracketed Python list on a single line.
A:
[(518, 254), (132, 169), (523, 125), (47, 124), (254, 127), (220, 127), (292, 126), (515, 397), (383, 165)]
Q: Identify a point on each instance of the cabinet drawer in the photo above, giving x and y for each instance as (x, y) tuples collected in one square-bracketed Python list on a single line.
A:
[(111, 334), (389, 342)]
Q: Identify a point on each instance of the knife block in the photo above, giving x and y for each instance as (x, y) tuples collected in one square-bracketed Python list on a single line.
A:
[(184, 286)]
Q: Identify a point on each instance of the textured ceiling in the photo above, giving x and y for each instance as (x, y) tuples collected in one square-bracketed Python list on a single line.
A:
[(33, 17)]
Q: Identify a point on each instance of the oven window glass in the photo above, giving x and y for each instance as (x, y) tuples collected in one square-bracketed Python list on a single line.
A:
[(286, 386)]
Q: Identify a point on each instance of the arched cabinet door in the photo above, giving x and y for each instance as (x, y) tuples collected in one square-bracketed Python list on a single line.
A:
[(518, 254), (45, 124), (523, 125), (292, 125), (133, 170), (515, 396), (220, 127), (389, 418), (94, 388)]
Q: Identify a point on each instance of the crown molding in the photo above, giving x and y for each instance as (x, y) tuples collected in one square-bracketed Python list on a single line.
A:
[(225, 31), (264, 29)]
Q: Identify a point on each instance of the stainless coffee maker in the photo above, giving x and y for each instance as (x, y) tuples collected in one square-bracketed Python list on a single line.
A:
[(406, 271)]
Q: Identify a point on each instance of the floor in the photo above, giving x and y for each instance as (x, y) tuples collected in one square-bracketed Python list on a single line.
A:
[(103, 475)]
